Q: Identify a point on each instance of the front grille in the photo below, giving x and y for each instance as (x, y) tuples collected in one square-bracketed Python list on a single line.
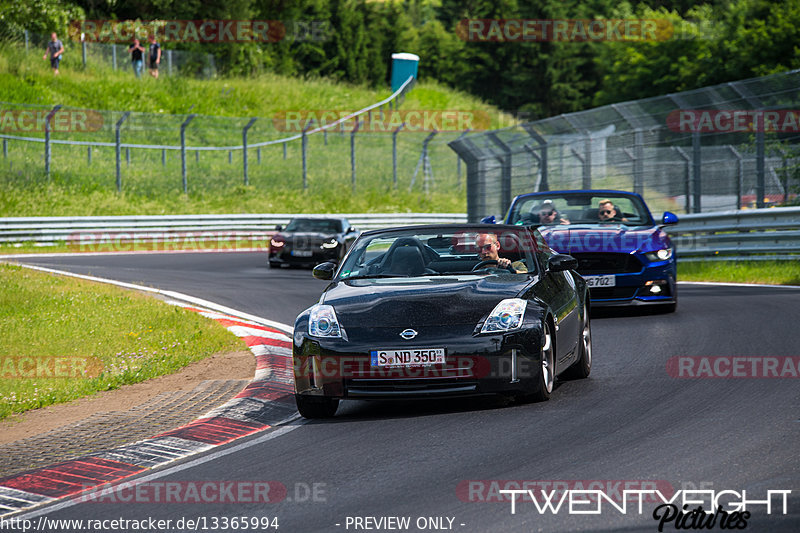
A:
[(612, 293), (607, 263)]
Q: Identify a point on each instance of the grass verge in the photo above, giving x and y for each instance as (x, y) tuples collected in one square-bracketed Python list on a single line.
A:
[(769, 272), (66, 338)]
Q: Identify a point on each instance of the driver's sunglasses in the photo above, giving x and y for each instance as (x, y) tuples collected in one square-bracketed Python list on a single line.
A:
[(486, 247), (606, 212), (546, 213)]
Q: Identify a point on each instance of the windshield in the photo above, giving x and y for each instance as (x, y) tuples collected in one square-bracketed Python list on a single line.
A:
[(443, 251), (316, 225), (580, 208)]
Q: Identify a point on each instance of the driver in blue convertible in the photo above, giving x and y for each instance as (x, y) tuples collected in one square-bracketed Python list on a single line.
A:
[(489, 249)]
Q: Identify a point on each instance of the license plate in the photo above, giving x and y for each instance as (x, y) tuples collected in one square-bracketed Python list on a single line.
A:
[(601, 281), (302, 253), (409, 357)]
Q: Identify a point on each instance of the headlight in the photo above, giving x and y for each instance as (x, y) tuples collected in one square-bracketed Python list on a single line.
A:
[(276, 244), (506, 315), (330, 244), (322, 322), (661, 255)]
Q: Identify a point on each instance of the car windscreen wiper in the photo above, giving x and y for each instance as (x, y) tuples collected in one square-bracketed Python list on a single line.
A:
[(371, 276)]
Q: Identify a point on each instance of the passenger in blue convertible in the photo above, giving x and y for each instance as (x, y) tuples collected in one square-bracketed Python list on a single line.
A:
[(489, 250)]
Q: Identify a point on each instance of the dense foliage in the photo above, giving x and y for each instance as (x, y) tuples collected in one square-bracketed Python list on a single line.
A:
[(710, 42)]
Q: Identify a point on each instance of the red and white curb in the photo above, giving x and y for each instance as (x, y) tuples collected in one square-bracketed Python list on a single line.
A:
[(267, 402)]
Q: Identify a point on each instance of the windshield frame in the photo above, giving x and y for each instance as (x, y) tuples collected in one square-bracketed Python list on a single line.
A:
[(568, 204)]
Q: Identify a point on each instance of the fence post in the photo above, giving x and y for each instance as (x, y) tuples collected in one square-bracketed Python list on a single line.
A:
[(127, 156), (258, 154), (687, 190), (284, 151), (739, 175), (543, 146), (697, 161), (114, 57), (83, 52), (587, 163), (423, 161), (117, 148), (304, 142), (394, 153), (88, 155), (505, 161), (47, 139), (353, 155), (163, 157), (760, 180), (458, 160), (26, 40), (183, 151), (230, 156), (169, 62), (244, 149), (638, 161), (5, 148)]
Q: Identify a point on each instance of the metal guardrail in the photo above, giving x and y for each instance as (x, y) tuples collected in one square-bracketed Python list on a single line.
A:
[(159, 228), (751, 234)]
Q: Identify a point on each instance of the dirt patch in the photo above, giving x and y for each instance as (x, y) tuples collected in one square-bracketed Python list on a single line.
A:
[(222, 366)]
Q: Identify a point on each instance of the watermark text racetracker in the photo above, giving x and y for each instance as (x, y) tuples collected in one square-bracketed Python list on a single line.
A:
[(572, 30), (62, 121), (167, 241), (451, 120), (734, 367), (200, 31)]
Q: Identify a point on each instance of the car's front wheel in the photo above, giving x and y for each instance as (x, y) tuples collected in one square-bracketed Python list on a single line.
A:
[(316, 407), (547, 375)]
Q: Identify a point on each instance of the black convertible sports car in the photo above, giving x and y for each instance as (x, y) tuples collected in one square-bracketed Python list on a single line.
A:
[(414, 312), (311, 240)]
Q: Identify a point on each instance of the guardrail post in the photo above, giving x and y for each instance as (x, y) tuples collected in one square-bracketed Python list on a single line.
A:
[(353, 155), (394, 153), (244, 150), (117, 148), (183, 152), (304, 143), (47, 120), (697, 163)]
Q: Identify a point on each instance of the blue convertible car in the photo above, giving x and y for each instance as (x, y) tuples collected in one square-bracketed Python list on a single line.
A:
[(624, 255)]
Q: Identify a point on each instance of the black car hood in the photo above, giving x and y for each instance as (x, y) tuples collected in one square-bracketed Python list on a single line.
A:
[(308, 236), (418, 302)]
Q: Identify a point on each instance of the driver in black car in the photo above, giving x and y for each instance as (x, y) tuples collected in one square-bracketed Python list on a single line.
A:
[(488, 250)]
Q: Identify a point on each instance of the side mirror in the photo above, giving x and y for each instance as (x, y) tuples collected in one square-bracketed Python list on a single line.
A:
[(324, 271), (351, 229), (489, 220), (279, 228), (561, 262), (669, 218)]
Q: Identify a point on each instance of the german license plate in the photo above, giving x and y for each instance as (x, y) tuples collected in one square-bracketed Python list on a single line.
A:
[(408, 357), (302, 253), (601, 281)]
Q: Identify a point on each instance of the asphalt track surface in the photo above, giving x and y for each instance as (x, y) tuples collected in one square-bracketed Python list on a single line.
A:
[(629, 421)]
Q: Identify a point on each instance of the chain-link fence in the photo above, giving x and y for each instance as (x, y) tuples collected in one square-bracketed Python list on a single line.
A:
[(723, 147), (116, 56), (154, 153)]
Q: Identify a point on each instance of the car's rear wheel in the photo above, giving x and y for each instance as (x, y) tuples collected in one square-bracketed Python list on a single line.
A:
[(583, 366), (547, 375), (316, 407)]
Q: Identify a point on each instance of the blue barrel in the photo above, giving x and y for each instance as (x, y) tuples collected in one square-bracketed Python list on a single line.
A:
[(403, 66)]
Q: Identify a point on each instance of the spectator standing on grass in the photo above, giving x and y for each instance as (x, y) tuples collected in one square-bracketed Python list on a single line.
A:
[(137, 56), (155, 56), (55, 48)]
